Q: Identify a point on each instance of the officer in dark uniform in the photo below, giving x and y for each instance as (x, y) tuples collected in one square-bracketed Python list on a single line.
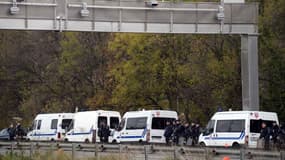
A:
[(168, 132), (265, 135)]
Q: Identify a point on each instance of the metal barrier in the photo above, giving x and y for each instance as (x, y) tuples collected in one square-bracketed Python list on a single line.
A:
[(137, 152)]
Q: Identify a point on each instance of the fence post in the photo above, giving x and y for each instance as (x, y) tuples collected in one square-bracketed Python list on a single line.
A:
[(242, 154), (174, 153), (145, 153), (120, 151), (12, 149), (31, 150), (282, 155), (96, 151), (207, 157), (73, 151)]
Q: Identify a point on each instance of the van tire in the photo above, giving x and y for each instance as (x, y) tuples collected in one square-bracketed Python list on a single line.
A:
[(141, 142), (52, 140), (202, 144), (236, 145), (86, 141), (114, 141), (65, 140)]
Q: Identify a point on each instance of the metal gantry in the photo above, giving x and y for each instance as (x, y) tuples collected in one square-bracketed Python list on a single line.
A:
[(146, 17)]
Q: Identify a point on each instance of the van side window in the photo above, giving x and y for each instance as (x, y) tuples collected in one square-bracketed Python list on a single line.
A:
[(65, 123), (101, 120), (39, 124), (114, 122), (136, 123), (160, 123), (230, 125), (237, 126), (53, 124)]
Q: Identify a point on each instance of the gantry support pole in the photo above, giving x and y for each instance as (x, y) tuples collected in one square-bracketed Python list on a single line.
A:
[(249, 72)]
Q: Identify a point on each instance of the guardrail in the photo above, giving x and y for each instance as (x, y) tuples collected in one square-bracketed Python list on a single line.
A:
[(145, 152)]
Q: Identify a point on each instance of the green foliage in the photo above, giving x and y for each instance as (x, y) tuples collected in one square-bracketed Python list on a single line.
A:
[(179, 72), (272, 56)]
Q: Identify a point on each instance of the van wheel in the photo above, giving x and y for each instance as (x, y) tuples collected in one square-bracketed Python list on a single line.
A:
[(65, 140), (141, 142), (52, 140), (202, 144), (236, 145), (86, 141), (114, 141)]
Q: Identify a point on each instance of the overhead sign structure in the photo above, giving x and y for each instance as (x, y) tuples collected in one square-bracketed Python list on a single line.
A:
[(146, 17)]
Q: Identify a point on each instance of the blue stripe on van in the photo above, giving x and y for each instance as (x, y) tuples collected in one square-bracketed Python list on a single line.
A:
[(131, 137), (241, 136), (49, 134), (45, 134), (142, 136), (83, 133)]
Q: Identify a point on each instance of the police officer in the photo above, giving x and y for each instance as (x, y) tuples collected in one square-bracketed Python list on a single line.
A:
[(196, 133), (104, 132), (168, 132), (11, 131), (275, 132), (188, 134), (265, 135), (179, 133)]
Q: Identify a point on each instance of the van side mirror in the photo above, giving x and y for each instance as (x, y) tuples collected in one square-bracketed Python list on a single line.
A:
[(211, 130)]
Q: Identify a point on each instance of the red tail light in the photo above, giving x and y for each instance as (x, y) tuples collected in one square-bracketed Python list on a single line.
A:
[(58, 135), (148, 135), (246, 139), (94, 136)]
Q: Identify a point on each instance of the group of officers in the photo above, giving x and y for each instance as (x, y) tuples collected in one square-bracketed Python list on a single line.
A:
[(16, 132), (181, 134), (274, 135)]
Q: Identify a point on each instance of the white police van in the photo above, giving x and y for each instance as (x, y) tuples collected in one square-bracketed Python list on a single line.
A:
[(143, 126), (235, 128), (85, 125), (50, 127)]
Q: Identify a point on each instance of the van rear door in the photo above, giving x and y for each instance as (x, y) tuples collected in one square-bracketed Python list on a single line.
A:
[(158, 125), (255, 128)]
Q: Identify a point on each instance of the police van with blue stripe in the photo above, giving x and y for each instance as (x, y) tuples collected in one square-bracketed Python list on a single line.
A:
[(50, 127), (236, 128), (86, 124), (143, 126)]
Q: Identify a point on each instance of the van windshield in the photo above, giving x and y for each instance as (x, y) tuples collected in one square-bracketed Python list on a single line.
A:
[(160, 123), (65, 123), (209, 128), (210, 125), (122, 124), (71, 126), (255, 125), (34, 125)]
